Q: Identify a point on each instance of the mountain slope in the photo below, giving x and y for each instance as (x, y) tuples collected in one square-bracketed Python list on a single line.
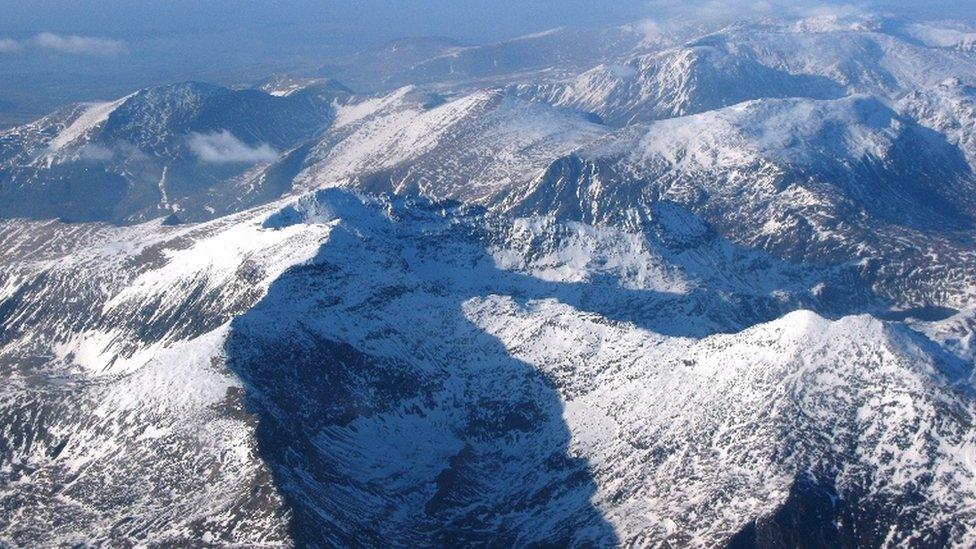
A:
[(677, 82), (745, 61), (472, 147), (819, 181), (543, 381), (716, 291), (171, 149)]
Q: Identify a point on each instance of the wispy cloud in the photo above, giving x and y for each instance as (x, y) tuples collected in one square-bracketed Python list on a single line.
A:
[(8, 45), (95, 153), (80, 45), (223, 148)]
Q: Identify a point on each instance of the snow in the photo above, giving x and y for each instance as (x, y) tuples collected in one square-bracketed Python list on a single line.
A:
[(643, 367), (94, 115), (631, 395), (96, 352), (723, 400), (505, 140), (944, 36), (348, 113), (216, 259)]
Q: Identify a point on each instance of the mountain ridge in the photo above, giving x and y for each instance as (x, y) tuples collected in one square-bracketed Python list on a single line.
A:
[(657, 292)]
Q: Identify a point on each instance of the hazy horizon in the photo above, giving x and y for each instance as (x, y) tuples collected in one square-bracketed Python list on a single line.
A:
[(54, 52)]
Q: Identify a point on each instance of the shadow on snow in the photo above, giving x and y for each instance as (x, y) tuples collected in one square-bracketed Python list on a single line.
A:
[(388, 416)]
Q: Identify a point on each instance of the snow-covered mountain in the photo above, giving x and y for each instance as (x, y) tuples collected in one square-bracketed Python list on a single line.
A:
[(542, 373), (179, 149), (635, 286), (685, 80), (822, 181), (949, 109), (472, 147), (753, 61)]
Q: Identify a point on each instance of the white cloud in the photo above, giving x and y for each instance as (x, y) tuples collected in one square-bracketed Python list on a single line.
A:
[(223, 148), (8, 45), (653, 32), (95, 153), (83, 45)]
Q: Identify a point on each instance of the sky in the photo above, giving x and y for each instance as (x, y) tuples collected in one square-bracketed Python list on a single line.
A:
[(54, 52), (345, 20), (58, 51)]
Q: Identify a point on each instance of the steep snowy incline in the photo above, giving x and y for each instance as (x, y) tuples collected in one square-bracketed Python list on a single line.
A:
[(119, 420), (112, 291), (864, 59), (94, 116), (472, 147), (801, 397)]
